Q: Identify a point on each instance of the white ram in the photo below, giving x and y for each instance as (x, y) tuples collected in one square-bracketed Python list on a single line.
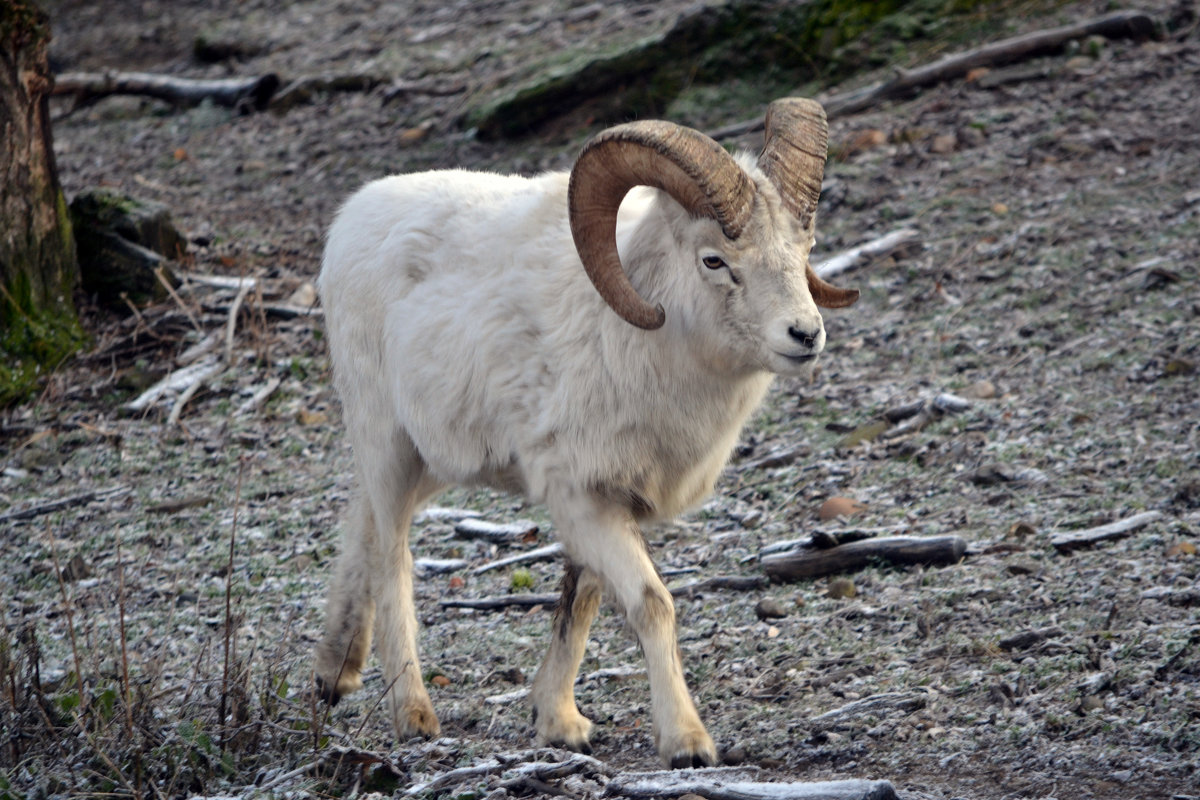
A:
[(470, 347)]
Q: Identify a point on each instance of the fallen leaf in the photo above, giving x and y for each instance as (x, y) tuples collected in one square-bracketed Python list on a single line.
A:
[(839, 507), (457, 582), (864, 433), (1181, 549), (440, 680), (306, 417), (772, 632), (977, 73), (181, 154)]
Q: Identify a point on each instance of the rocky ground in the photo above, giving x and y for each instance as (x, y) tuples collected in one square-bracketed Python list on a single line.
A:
[(1053, 288)]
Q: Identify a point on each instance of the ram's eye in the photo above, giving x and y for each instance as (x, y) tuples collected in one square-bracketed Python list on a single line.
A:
[(714, 262)]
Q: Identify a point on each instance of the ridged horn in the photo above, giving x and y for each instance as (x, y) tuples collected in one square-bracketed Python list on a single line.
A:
[(686, 164), (793, 158)]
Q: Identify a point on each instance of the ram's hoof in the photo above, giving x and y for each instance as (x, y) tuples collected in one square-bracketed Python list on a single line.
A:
[(327, 692), (694, 749)]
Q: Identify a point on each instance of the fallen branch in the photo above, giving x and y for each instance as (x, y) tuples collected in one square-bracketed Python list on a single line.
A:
[(50, 506), (735, 583), (259, 397), (179, 380), (1066, 542), (1119, 25), (546, 553), (88, 87), (494, 532), (848, 557), (732, 784), (864, 253), (878, 705), (504, 601)]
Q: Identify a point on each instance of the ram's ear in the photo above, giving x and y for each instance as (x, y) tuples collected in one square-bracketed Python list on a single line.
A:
[(826, 295)]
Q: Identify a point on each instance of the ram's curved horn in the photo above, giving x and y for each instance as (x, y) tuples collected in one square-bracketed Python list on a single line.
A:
[(686, 164), (793, 158)]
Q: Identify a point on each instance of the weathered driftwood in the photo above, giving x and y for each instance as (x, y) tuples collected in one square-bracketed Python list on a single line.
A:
[(816, 563), (250, 93), (1118, 25), (1066, 542), (737, 784), (863, 253)]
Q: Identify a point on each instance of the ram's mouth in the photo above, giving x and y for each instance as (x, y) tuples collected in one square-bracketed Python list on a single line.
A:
[(801, 359)]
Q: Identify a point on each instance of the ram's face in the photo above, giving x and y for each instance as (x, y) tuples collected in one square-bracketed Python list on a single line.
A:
[(763, 288)]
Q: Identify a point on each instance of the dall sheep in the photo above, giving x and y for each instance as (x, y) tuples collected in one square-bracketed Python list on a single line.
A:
[(470, 347)]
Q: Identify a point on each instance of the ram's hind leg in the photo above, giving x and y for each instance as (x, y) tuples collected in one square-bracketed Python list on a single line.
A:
[(397, 494), (556, 717), (350, 610)]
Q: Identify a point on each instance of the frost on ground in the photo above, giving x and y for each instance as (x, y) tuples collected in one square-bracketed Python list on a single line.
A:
[(1054, 288)]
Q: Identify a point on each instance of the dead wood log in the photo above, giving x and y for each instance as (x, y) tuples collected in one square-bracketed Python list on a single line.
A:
[(876, 706), (1118, 25), (1066, 542), (537, 554), (734, 583), (736, 784), (50, 506), (496, 533), (503, 601), (864, 253), (848, 557), (241, 93), (737, 583)]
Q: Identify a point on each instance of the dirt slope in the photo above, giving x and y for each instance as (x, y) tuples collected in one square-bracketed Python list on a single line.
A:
[(1055, 288)]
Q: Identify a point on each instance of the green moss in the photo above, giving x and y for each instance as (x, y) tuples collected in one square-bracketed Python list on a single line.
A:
[(754, 50), (33, 339)]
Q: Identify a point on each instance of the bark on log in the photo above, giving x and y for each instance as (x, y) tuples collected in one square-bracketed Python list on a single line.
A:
[(1066, 542), (241, 93), (1118, 25), (933, 550), (37, 252)]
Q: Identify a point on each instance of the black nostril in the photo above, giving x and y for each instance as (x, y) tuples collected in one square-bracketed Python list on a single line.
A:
[(803, 337)]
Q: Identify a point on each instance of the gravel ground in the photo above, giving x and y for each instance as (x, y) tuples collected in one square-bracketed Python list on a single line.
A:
[(1053, 288)]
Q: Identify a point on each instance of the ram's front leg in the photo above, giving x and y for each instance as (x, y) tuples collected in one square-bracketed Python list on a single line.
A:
[(606, 540)]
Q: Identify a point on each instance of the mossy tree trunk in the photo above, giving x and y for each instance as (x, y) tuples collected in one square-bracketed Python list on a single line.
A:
[(38, 324)]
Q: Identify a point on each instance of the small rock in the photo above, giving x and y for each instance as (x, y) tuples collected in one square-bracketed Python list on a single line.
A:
[(1090, 703), (944, 144), (981, 390), (305, 296), (731, 758), (1022, 568), (841, 589), (767, 608)]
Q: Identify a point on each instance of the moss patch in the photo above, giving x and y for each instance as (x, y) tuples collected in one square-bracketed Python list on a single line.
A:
[(768, 48)]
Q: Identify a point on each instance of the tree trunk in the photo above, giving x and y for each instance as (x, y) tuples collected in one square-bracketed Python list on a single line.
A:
[(38, 326)]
